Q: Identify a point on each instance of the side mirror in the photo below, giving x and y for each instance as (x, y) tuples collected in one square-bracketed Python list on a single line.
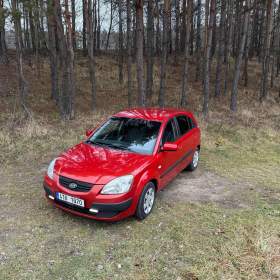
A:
[(89, 132), (169, 147)]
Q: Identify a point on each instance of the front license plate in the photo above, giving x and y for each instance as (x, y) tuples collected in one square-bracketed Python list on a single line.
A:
[(70, 199)]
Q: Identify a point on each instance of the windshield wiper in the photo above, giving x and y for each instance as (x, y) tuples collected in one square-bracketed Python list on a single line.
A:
[(111, 145), (119, 146)]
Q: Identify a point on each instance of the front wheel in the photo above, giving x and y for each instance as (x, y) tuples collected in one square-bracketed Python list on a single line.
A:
[(146, 201), (193, 165)]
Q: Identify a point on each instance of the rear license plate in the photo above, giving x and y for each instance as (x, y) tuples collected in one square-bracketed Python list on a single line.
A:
[(70, 199)]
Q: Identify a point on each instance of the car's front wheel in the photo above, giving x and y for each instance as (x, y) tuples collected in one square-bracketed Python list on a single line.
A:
[(146, 201)]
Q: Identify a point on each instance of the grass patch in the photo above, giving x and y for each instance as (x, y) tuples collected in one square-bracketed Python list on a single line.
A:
[(243, 153), (177, 242)]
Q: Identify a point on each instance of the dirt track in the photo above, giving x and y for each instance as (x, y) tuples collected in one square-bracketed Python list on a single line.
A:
[(206, 187)]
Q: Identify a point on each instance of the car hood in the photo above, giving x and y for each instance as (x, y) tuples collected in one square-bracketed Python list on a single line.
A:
[(99, 165)]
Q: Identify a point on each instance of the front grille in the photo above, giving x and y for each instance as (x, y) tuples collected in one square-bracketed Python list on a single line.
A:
[(81, 186)]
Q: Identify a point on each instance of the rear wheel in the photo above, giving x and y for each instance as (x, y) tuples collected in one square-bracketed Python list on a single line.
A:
[(146, 201), (193, 165)]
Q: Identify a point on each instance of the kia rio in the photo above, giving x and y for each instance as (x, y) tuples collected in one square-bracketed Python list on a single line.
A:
[(116, 172)]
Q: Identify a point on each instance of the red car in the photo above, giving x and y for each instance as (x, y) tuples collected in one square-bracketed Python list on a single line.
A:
[(117, 171)]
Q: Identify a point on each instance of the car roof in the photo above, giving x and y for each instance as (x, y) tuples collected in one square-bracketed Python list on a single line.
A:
[(155, 114)]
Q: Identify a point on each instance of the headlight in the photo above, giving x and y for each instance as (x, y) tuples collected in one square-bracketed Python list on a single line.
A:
[(118, 185), (51, 168)]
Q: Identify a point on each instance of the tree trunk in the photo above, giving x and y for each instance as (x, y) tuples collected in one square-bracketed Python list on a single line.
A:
[(228, 44), (237, 27), (66, 55), (3, 50), (139, 52), (158, 37), (73, 8), (134, 34), (120, 43), (150, 49), (198, 41), (238, 61), (32, 28), (37, 38), (129, 54), (187, 55), (214, 36), (170, 46), (261, 33), (110, 25), (183, 25), (220, 50), (191, 36), (255, 30), (23, 86), (26, 26), (207, 58), (95, 24), (163, 62), (266, 51), (98, 26), (177, 30), (70, 60), (53, 52), (84, 27), (90, 45), (246, 57)]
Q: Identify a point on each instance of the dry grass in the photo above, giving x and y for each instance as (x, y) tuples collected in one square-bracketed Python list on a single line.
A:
[(178, 241)]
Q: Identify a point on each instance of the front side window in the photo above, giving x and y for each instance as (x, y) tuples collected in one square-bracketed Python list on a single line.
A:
[(184, 124), (168, 135), (136, 135)]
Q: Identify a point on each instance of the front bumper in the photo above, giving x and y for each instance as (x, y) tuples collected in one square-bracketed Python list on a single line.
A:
[(113, 210)]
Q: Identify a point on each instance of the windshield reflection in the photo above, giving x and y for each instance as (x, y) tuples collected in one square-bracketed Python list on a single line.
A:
[(136, 135)]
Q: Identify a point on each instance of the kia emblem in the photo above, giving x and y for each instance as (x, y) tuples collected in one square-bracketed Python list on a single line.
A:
[(73, 186)]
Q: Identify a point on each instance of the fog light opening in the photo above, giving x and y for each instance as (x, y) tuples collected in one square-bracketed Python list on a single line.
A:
[(93, 210)]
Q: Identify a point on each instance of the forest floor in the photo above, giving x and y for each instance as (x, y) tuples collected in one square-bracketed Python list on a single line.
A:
[(220, 222)]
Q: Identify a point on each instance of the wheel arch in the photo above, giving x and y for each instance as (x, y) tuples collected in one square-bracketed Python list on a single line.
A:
[(155, 182)]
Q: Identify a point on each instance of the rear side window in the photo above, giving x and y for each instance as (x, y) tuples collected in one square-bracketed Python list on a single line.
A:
[(185, 124)]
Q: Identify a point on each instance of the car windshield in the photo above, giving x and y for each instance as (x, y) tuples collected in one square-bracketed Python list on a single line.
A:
[(136, 135)]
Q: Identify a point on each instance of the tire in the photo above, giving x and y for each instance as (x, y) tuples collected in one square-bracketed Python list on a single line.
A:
[(144, 208), (195, 159)]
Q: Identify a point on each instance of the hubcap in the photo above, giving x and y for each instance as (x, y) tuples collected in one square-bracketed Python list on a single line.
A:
[(149, 200), (195, 158)]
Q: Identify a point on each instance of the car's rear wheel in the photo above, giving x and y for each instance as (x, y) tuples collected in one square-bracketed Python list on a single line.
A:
[(146, 201), (193, 165)]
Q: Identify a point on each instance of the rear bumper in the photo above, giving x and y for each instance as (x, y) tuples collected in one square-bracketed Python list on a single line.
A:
[(103, 211)]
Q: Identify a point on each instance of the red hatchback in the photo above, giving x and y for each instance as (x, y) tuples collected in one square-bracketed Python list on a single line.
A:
[(117, 171)]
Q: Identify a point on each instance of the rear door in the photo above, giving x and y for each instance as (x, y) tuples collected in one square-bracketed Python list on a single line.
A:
[(186, 140)]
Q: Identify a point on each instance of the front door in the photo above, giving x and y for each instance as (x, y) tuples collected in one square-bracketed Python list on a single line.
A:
[(168, 159)]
